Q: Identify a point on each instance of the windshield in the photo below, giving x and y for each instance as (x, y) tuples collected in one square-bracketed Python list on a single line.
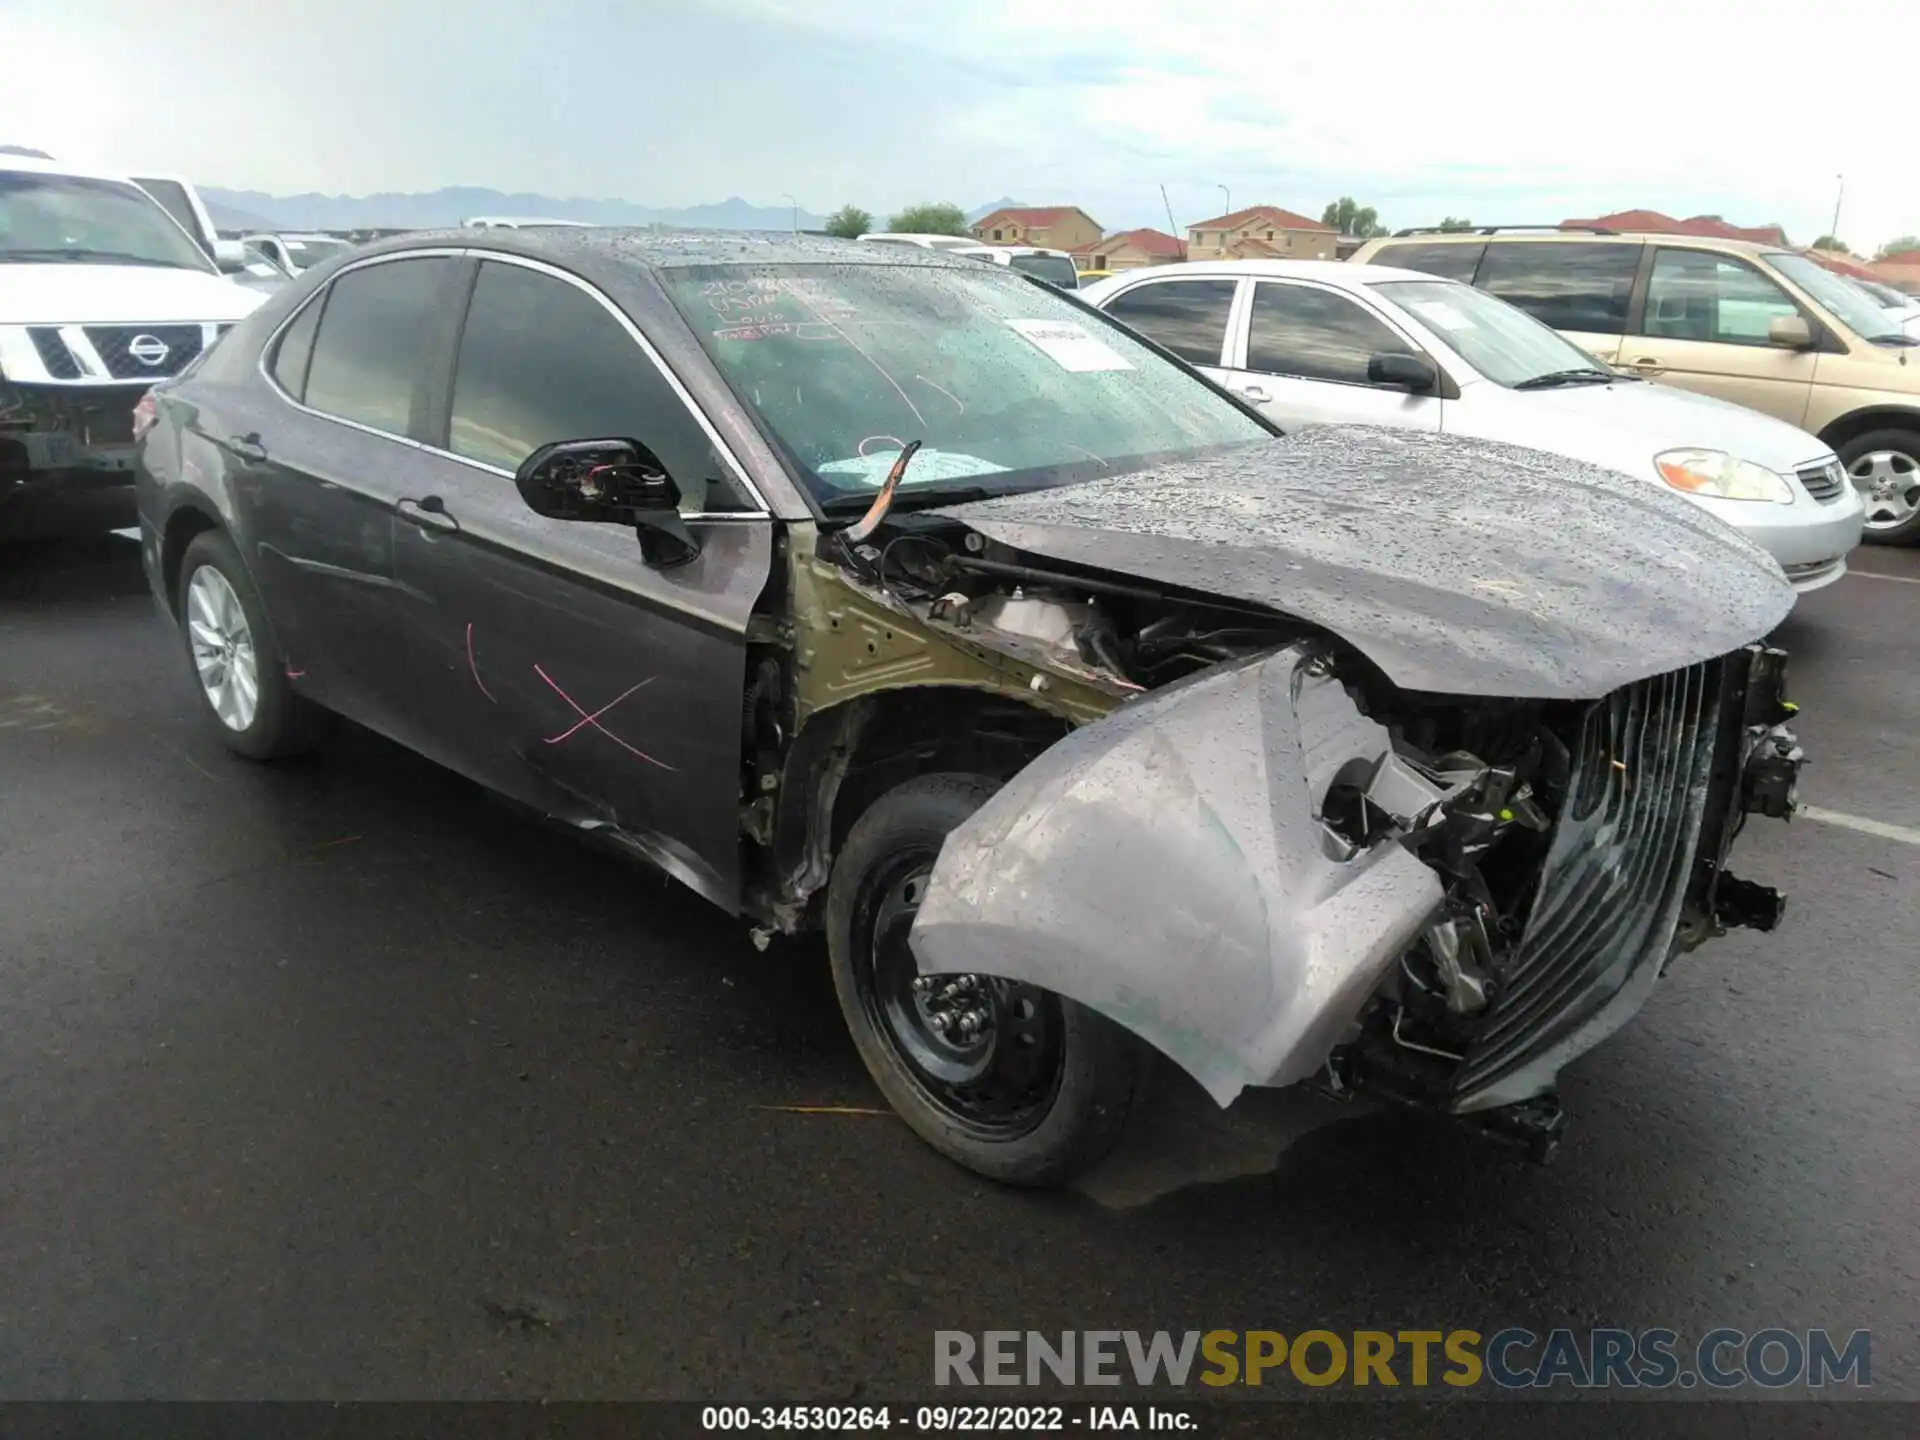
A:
[(75, 219), (1847, 302), (1889, 298), (1054, 269), (1006, 385), (1501, 341), (309, 251)]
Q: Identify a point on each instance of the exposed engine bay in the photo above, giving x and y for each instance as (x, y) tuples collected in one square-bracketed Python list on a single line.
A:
[(1434, 899)]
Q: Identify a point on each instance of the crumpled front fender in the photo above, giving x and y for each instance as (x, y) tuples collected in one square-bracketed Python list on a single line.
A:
[(1167, 868)]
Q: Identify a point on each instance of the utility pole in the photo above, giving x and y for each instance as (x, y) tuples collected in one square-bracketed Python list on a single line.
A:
[(796, 212), (1173, 226), (1229, 194), (1834, 229)]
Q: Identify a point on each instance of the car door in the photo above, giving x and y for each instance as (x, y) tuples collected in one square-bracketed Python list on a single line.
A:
[(1302, 355), (1703, 327), (553, 663), (320, 468), (1187, 316), (1583, 288)]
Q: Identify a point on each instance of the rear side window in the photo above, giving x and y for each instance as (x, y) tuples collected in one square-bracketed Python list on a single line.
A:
[(542, 360), (1189, 317), (1054, 269), (1578, 286), (1452, 262), (1315, 334), (295, 350), (374, 344)]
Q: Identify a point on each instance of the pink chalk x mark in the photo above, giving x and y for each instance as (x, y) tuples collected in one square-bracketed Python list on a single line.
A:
[(474, 669), (594, 719)]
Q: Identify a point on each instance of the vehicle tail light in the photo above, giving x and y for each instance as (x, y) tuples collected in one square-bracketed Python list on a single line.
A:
[(144, 414)]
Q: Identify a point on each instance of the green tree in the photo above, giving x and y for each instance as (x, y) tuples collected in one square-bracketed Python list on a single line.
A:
[(1833, 244), (849, 222), (1455, 222), (930, 218), (1350, 217), (1900, 246)]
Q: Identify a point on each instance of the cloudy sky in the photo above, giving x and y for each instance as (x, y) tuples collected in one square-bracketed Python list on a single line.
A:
[(1505, 113)]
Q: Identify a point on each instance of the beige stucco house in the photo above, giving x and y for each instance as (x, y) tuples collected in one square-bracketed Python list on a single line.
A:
[(1264, 232), (1051, 227), (1129, 250)]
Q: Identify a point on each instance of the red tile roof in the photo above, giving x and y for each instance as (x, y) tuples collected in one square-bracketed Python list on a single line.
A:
[(1652, 222), (1036, 219), (1147, 242), (1901, 257), (1840, 264), (1281, 219)]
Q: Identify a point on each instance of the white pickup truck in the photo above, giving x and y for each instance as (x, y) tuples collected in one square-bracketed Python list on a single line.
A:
[(102, 293)]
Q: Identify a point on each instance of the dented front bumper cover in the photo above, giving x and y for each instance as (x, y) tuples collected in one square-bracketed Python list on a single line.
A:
[(1170, 868)]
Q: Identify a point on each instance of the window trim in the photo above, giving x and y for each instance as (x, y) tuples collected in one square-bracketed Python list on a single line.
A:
[(441, 369), (1234, 302)]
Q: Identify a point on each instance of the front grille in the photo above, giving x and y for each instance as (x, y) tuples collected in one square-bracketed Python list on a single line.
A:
[(1825, 483), (1614, 884), (116, 346), (54, 353)]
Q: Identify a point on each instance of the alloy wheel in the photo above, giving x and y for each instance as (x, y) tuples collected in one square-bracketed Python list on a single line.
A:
[(1889, 486), (222, 646)]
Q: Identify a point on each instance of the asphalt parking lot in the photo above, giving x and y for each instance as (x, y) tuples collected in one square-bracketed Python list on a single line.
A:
[(338, 1080)]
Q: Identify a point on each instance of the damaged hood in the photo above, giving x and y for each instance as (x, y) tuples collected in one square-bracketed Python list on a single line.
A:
[(1457, 566)]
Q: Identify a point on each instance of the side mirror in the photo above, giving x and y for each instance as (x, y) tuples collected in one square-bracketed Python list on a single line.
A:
[(1405, 372), (1790, 332), (610, 481), (230, 256)]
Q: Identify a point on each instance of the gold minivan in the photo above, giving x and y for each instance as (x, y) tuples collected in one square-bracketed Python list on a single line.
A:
[(1760, 325)]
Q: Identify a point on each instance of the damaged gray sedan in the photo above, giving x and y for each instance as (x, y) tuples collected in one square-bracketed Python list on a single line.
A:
[(879, 593)]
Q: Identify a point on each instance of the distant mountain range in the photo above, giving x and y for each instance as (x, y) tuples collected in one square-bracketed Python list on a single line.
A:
[(256, 210)]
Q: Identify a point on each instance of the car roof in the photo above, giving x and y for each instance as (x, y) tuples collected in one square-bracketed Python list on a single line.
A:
[(619, 247), (1343, 273), (29, 165), (1565, 237)]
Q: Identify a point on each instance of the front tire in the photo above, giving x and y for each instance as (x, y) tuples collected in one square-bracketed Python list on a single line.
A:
[(235, 664), (1884, 466), (1014, 1082)]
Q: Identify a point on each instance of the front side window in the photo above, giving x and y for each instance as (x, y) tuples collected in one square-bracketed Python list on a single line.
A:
[(306, 253), (1501, 341), (173, 196), (1189, 317), (1007, 385), (1579, 286), (1315, 334), (541, 360), (1697, 295), (70, 219), (1450, 262), (375, 336), (1054, 269)]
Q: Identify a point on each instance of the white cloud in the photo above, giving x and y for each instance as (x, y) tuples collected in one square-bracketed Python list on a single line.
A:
[(1496, 110)]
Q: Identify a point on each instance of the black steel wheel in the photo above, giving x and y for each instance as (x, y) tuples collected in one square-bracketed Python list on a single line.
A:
[(1013, 1081)]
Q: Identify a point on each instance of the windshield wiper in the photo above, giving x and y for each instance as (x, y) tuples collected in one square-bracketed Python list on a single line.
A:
[(1897, 338), (915, 497), (75, 254), (1554, 378)]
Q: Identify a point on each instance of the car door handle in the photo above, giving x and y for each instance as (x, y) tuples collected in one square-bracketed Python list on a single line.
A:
[(1646, 365), (248, 448), (1256, 393), (429, 512)]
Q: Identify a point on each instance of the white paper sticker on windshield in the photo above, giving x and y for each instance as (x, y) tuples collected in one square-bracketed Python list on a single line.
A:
[(1439, 312), (1069, 345)]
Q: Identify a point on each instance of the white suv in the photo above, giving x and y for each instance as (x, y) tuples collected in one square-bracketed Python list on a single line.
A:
[(102, 293)]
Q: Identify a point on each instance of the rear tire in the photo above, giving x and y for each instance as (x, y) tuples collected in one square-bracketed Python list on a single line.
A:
[(1037, 1094), (1884, 466), (237, 668)]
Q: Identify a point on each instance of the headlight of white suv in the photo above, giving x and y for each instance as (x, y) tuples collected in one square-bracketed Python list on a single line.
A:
[(1716, 473)]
